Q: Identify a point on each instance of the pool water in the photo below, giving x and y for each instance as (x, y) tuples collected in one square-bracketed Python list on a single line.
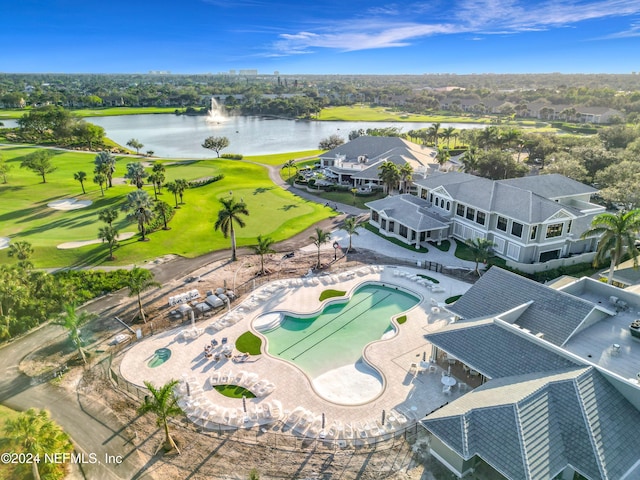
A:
[(336, 337), (159, 357)]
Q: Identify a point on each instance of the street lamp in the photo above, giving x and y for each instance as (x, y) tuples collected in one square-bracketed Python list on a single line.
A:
[(336, 246)]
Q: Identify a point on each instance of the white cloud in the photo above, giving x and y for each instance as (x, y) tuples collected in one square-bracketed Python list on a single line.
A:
[(634, 31), (379, 27)]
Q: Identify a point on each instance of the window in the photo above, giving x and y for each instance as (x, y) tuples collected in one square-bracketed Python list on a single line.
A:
[(513, 251), (554, 230), (502, 224), (516, 229), (431, 198), (392, 226), (375, 217), (569, 227), (481, 218), (534, 232), (437, 202), (383, 224), (448, 205), (424, 194), (471, 213), (460, 210), (403, 231)]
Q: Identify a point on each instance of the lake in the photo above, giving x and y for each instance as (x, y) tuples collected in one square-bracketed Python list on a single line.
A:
[(181, 136)]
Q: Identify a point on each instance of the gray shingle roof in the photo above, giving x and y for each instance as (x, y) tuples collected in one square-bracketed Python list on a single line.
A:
[(510, 197), (554, 313), (374, 147), (550, 186), (494, 351), (533, 426), (408, 210)]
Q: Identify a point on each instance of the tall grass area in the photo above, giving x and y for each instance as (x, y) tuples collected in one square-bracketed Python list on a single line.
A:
[(24, 214)]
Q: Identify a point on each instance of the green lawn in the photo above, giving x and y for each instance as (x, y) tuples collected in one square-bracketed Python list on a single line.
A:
[(249, 343), (281, 158), (331, 293), (365, 113), (233, 391), (394, 240), (24, 214), (16, 113)]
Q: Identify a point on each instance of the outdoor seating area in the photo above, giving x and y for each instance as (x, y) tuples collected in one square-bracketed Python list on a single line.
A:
[(200, 410), (212, 361), (304, 422), (419, 279)]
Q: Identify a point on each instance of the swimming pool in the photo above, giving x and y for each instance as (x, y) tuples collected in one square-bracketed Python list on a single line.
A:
[(337, 335)]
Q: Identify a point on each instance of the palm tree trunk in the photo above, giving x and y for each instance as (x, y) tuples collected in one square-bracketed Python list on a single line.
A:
[(612, 267), (140, 309), (82, 185), (34, 470), (233, 243), (169, 438), (318, 264), (261, 264)]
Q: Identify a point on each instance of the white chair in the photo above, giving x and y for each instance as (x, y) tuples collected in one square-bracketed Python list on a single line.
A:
[(446, 389)]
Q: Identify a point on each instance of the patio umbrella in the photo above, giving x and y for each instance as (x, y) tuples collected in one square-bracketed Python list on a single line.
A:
[(424, 356), (449, 370), (193, 319), (383, 415), (323, 421), (244, 403)]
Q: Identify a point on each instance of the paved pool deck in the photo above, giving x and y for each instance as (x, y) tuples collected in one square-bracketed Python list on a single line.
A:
[(413, 394)]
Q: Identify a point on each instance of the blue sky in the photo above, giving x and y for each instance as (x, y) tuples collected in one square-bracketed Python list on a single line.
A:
[(331, 36)]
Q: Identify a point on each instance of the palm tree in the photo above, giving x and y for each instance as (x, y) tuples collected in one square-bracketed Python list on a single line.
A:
[(159, 169), (139, 206), (262, 248), (389, 174), (109, 235), (617, 234), (181, 185), (106, 164), (136, 173), (108, 215), (289, 165), (447, 133), (81, 177), (443, 156), (470, 160), (227, 215), (173, 188), (72, 321), (22, 250), (351, 226), (321, 237), (100, 179), (34, 433), (163, 403), (433, 132), (140, 279), (481, 250), (406, 175), (164, 210)]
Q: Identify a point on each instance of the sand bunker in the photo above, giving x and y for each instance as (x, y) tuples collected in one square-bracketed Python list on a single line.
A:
[(70, 245), (69, 204), (4, 242)]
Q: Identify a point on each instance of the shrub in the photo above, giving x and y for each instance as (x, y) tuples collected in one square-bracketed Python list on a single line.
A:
[(401, 319), (201, 182), (232, 156)]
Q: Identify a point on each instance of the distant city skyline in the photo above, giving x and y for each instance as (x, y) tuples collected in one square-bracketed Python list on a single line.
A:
[(326, 37)]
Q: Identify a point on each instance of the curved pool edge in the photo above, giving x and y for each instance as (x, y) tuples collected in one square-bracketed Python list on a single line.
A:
[(336, 300)]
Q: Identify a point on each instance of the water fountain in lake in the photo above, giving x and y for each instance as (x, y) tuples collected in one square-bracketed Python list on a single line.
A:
[(216, 113)]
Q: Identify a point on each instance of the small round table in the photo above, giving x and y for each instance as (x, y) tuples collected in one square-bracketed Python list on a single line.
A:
[(448, 380)]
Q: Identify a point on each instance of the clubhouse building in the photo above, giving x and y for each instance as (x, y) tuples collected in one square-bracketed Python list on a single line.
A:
[(530, 220)]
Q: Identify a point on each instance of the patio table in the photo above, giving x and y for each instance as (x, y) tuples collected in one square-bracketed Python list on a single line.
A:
[(448, 380)]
